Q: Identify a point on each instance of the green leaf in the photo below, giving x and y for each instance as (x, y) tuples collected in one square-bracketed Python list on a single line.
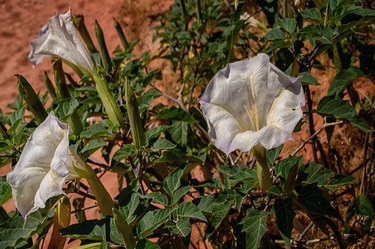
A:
[(95, 230), (283, 168), (288, 24), (155, 132), (93, 145), (95, 130), (255, 226), (179, 132), (158, 197), (284, 217), (307, 78), (128, 211), (327, 35), (174, 113), (5, 190), (273, 154), (145, 99), (343, 79), (16, 232), (220, 210), (360, 207), (323, 177), (67, 107), (125, 151), (314, 201), (312, 13), (152, 220), (182, 227), (274, 34), (189, 210), (162, 144), (146, 244), (206, 204), (172, 181), (179, 193), (340, 109)]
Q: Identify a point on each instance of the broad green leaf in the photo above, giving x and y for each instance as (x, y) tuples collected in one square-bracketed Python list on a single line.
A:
[(95, 130), (174, 113), (206, 204), (67, 107), (314, 201), (162, 144), (255, 226), (155, 132), (181, 227), (128, 211), (125, 151), (283, 168), (152, 220), (229, 170), (220, 210), (93, 145), (327, 35), (16, 232), (95, 230), (288, 24), (173, 181), (273, 154), (179, 193), (146, 98), (284, 217), (189, 210), (312, 13), (158, 197), (274, 34), (316, 173), (179, 132), (340, 109), (342, 80), (360, 207), (5, 190), (146, 244), (307, 78)]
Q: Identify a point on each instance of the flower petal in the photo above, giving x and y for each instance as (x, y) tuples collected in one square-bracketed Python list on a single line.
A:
[(59, 38), (286, 110), (35, 160)]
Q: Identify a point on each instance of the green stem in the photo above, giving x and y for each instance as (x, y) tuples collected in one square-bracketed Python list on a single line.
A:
[(102, 196), (263, 172), (109, 103)]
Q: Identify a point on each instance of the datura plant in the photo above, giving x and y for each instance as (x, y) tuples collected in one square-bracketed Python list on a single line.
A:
[(59, 38), (190, 145), (45, 164), (252, 104)]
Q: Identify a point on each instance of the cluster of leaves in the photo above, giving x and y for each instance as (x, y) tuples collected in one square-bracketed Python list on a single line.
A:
[(164, 199)]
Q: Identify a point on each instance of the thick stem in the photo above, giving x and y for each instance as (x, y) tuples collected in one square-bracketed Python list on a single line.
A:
[(103, 198), (263, 172), (109, 102)]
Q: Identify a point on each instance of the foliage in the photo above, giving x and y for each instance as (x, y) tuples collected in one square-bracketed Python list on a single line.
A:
[(160, 148)]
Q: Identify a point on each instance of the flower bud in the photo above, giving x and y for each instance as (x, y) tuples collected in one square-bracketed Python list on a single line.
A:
[(31, 98)]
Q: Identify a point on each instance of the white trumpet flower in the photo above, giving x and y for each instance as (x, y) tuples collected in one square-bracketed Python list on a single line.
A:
[(60, 38), (251, 102), (46, 163)]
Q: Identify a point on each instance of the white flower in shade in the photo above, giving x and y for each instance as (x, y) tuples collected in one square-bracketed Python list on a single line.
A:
[(251, 102), (45, 165), (60, 38)]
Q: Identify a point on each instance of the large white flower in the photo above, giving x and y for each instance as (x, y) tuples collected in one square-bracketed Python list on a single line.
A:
[(60, 38), (45, 164), (251, 102)]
